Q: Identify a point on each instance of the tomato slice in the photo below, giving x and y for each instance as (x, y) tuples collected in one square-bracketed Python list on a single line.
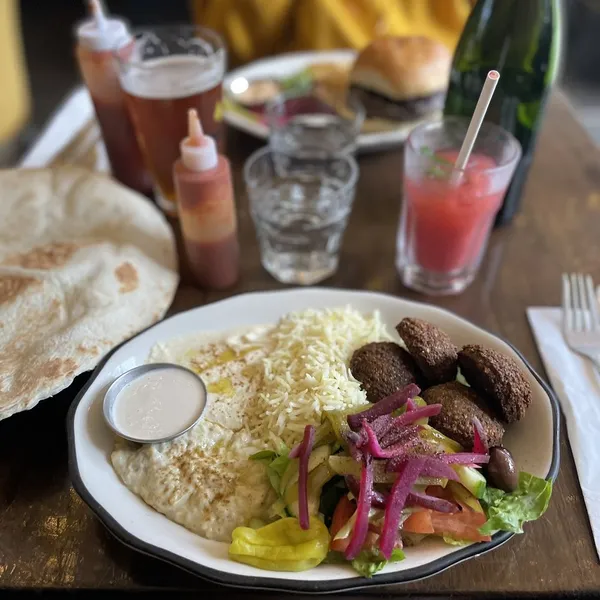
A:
[(463, 525), (339, 545), (343, 511), (466, 500), (418, 522)]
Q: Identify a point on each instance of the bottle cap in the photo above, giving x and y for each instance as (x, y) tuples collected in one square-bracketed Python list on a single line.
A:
[(198, 151), (100, 33)]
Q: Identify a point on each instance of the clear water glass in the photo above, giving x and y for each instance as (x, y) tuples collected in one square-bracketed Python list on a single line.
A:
[(307, 127), (300, 213)]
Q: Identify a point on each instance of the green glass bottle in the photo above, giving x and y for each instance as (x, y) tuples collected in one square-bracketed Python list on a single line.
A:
[(521, 40)]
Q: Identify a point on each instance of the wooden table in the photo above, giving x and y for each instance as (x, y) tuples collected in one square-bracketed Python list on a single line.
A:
[(49, 539)]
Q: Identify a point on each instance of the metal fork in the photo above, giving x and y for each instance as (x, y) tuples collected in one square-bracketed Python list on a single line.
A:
[(581, 321)]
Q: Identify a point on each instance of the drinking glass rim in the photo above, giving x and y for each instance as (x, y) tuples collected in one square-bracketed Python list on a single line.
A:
[(261, 152), (464, 120), (213, 36)]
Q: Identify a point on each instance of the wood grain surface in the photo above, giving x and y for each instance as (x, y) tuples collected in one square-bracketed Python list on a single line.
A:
[(49, 539)]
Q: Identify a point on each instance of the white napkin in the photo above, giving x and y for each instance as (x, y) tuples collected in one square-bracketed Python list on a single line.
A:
[(577, 385), (73, 114)]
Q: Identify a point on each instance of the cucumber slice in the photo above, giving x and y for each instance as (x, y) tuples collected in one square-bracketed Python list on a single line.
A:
[(290, 473), (427, 481), (290, 476), (472, 479), (339, 421), (419, 403), (316, 480), (277, 509), (346, 465), (434, 436), (324, 434), (464, 496)]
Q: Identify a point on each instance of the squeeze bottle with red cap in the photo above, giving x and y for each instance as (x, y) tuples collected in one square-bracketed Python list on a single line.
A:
[(98, 39), (206, 209)]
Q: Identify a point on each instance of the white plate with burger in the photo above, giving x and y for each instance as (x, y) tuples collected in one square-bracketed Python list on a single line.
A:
[(400, 81)]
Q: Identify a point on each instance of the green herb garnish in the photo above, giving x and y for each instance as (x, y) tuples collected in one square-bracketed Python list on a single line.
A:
[(441, 169), (298, 83)]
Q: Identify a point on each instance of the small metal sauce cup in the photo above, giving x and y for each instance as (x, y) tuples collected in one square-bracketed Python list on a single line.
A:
[(124, 379)]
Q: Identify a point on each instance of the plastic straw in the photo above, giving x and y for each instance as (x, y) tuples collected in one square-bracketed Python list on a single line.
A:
[(476, 120)]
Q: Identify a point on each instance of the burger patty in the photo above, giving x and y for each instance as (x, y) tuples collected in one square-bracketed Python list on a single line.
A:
[(380, 107)]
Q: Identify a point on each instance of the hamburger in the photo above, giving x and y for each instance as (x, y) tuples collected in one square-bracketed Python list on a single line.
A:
[(400, 80)]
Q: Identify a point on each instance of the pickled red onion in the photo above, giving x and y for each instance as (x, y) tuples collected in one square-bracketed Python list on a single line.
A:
[(396, 502), (304, 455), (384, 407), (480, 445), (363, 505), (465, 458)]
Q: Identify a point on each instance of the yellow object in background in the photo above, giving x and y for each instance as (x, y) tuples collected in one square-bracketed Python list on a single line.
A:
[(255, 28), (15, 100)]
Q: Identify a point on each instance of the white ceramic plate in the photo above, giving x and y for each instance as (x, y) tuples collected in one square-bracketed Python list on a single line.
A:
[(533, 442), (286, 65)]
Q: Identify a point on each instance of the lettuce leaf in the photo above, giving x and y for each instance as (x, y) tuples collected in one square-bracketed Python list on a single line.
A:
[(268, 455), (508, 512), (451, 541), (298, 82), (367, 563), (275, 463)]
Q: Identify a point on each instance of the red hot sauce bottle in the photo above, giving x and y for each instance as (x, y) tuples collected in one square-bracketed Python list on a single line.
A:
[(98, 39), (206, 207)]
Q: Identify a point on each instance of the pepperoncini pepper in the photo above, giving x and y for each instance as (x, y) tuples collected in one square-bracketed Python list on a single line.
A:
[(281, 546)]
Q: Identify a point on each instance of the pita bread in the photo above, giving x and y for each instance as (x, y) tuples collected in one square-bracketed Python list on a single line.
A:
[(85, 263)]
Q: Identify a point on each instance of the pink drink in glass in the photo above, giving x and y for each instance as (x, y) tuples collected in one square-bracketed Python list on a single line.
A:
[(447, 215)]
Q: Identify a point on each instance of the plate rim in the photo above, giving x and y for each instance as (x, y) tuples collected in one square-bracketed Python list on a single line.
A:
[(232, 580)]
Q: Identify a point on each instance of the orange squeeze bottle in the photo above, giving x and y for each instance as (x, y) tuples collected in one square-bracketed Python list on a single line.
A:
[(206, 206)]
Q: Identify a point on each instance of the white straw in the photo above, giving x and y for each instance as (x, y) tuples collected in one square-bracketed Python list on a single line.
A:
[(477, 119)]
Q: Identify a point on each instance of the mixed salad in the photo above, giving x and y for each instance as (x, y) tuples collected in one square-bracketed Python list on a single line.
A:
[(364, 485)]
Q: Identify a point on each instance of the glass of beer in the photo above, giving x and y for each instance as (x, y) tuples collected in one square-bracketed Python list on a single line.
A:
[(170, 70)]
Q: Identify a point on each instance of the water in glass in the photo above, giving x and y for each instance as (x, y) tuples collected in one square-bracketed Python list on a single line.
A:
[(300, 236)]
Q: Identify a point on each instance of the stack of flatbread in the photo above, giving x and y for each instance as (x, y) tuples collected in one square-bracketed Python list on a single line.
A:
[(85, 263)]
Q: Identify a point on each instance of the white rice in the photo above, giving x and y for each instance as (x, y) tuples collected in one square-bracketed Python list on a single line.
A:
[(306, 371)]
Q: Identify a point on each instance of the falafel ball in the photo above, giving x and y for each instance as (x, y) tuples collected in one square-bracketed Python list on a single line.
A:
[(383, 368), (499, 377), (459, 405), (432, 349)]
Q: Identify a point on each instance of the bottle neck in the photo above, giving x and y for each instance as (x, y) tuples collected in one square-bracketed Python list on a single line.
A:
[(199, 158)]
